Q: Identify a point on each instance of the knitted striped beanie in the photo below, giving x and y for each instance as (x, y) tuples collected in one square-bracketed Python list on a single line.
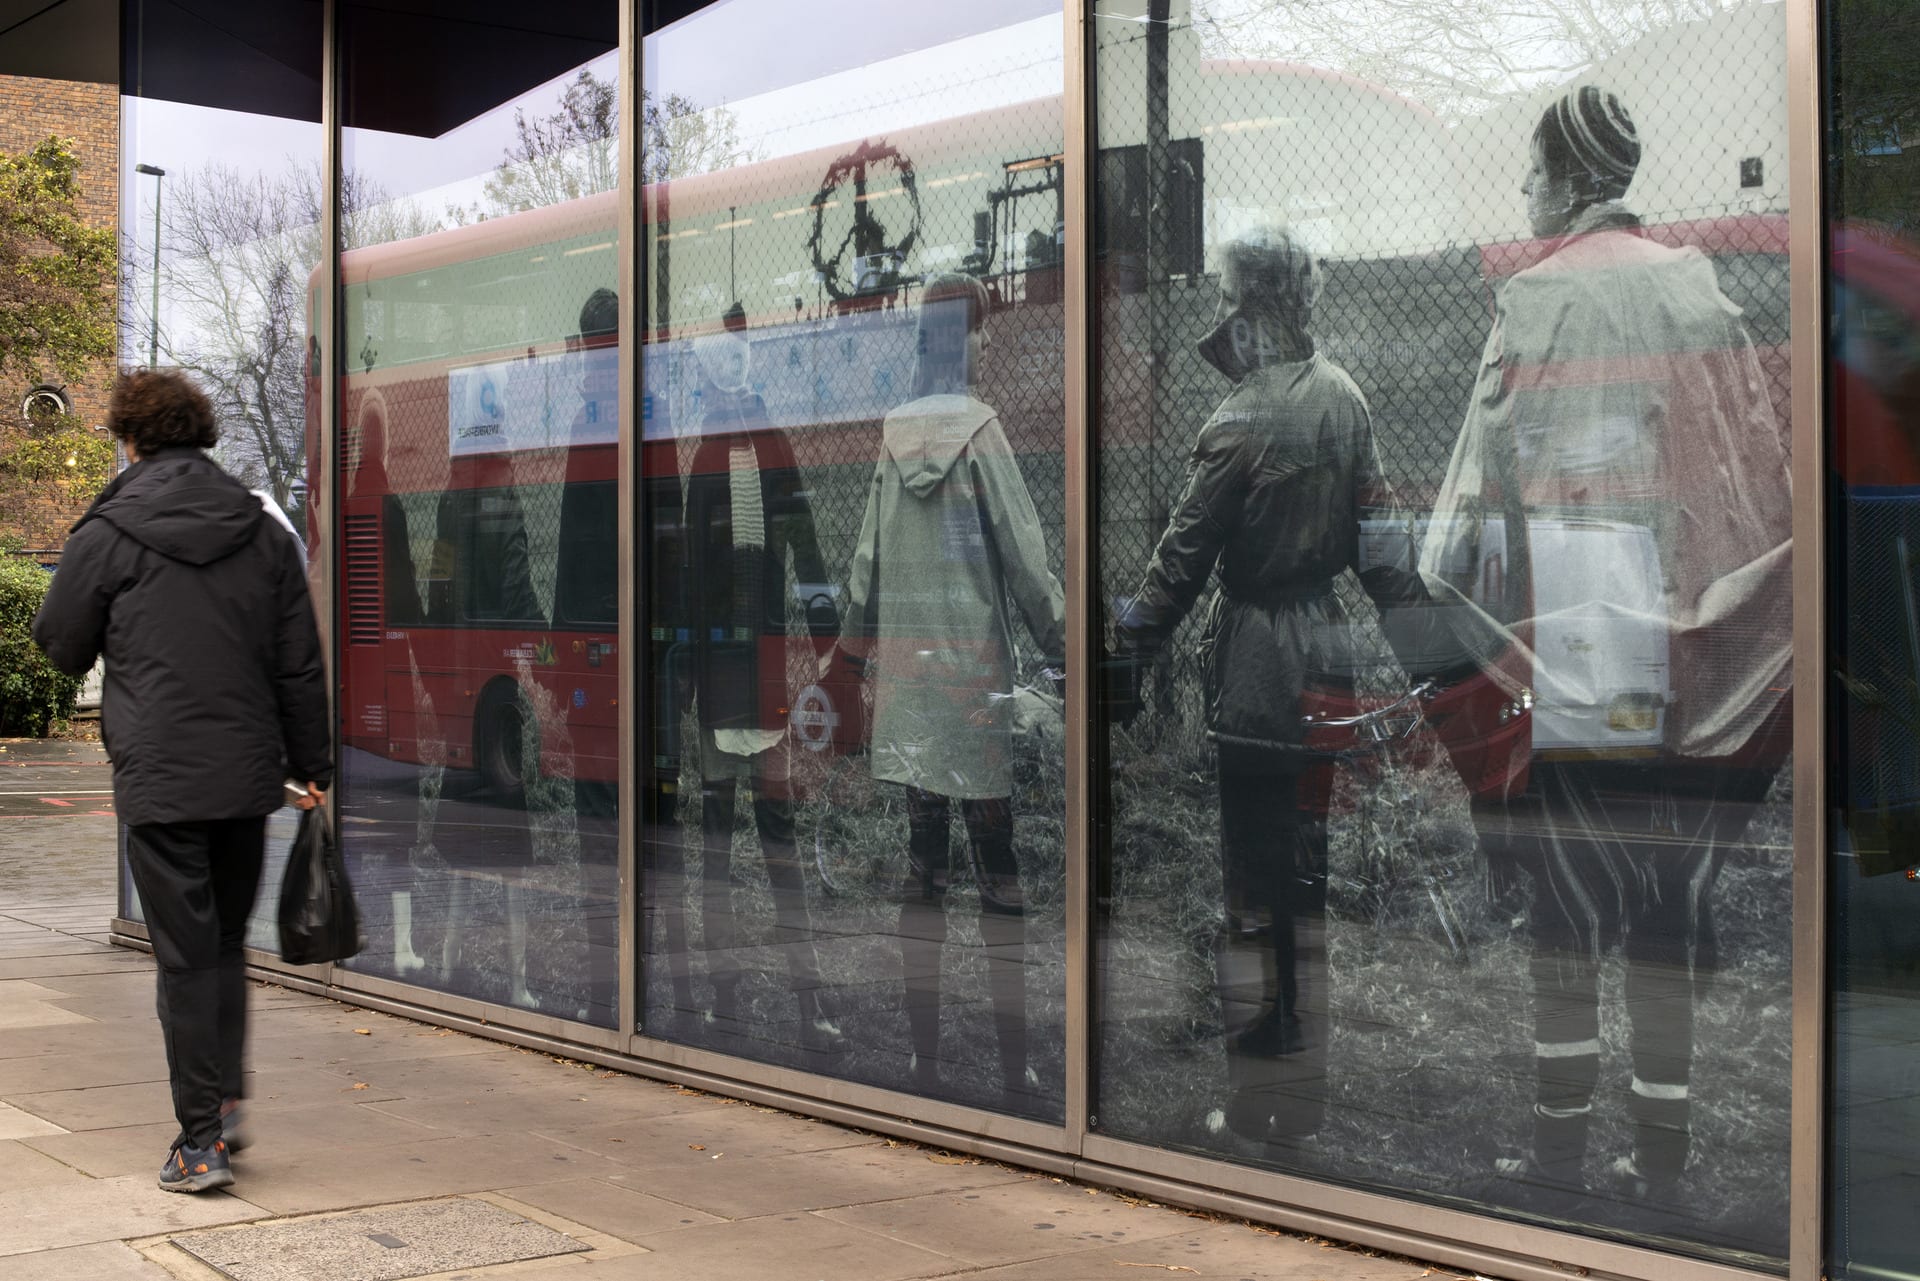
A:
[(1588, 131)]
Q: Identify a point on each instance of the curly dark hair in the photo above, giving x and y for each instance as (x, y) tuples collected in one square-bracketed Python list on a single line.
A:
[(155, 409)]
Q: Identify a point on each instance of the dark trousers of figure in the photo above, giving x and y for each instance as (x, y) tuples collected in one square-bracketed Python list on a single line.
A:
[(1621, 856), (720, 874), (990, 827), (197, 883), (1274, 856)]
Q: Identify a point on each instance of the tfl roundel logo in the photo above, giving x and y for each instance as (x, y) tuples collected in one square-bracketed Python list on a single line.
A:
[(814, 719)]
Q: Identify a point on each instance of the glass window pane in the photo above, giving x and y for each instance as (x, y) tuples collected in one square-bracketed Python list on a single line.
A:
[(1443, 522), (220, 199), (479, 660), (1873, 361), (853, 530)]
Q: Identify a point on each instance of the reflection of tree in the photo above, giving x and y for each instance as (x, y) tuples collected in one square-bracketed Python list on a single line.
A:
[(573, 151), (1458, 57), (240, 251), (562, 156), (679, 140)]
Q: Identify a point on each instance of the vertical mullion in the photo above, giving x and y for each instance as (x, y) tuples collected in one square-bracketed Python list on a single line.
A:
[(327, 494), (1078, 317), (628, 563), (1806, 254)]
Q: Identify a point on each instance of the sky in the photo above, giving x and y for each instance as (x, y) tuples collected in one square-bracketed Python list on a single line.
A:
[(791, 85)]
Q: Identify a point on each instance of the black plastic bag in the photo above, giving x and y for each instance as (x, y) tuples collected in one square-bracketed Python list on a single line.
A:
[(318, 918)]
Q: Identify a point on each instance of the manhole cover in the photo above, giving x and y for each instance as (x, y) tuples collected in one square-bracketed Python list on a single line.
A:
[(384, 1244)]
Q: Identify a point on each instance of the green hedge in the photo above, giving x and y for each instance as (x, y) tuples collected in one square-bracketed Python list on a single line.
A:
[(34, 695)]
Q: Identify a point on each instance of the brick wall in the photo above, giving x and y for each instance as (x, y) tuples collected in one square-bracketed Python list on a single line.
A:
[(30, 111)]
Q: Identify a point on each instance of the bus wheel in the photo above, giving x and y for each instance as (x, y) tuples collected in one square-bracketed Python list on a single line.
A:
[(499, 740)]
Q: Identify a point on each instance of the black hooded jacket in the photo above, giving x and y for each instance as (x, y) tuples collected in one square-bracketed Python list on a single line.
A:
[(215, 692)]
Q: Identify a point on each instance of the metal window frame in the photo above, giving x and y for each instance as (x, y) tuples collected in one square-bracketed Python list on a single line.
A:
[(1806, 231), (1456, 1236)]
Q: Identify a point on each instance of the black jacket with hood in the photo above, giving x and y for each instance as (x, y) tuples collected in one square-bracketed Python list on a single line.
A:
[(215, 692)]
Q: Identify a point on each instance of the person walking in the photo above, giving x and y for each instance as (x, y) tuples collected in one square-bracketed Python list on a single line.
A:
[(215, 696)]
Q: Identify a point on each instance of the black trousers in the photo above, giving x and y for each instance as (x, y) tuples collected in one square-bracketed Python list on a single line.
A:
[(197, 883), (924, 930), (1274, 860), (1620, 856)]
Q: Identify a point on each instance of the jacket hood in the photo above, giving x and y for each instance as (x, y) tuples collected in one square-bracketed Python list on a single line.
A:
[(181, 504), (926, 438)]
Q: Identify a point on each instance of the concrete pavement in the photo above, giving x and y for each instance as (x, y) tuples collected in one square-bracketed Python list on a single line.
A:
[(427, 1131)]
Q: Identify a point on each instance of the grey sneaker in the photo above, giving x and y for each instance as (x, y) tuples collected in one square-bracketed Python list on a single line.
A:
[(191, 1169), (233, 1126)]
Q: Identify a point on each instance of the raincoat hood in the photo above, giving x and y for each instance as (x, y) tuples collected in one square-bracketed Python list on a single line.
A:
[(181, 504), (927, 437)]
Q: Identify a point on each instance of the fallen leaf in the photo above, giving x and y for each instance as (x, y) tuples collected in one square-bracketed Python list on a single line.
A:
[(363, 1031), (948, 1158), (698, 1147), (1163, 1267), (613, 1140), (359, 1085)]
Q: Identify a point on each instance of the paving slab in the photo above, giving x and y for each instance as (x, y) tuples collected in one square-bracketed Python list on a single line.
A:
[(105, 1261), (1034, 1218), (722, 1184), (465, 1110), (15, 1124), (106, 1154), (388, 1243), (792, 1245), (26, 1004), (295, 1182), (108, 962), (623, 1212), (23, 1166), (86, 1211), (35, 1073), (719, 1125), (1235, 1251)]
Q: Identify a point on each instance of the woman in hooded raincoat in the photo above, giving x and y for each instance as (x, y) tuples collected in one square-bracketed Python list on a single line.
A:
[(950, 549), (1280, 478)]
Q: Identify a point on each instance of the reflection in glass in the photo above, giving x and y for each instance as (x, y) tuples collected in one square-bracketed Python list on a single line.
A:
[(853, 499), (479, 658), (1444, 851), (1873, 466)]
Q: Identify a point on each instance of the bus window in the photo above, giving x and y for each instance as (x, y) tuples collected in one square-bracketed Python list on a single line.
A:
[(586, 584)]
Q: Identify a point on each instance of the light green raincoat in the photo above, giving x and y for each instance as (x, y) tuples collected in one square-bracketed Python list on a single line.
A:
[(950, 536)]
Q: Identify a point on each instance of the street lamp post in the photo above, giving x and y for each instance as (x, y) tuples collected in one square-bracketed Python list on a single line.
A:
[(153, 329)]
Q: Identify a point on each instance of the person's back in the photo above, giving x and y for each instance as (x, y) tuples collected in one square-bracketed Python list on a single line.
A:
[(197, 572), (215, 694)]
